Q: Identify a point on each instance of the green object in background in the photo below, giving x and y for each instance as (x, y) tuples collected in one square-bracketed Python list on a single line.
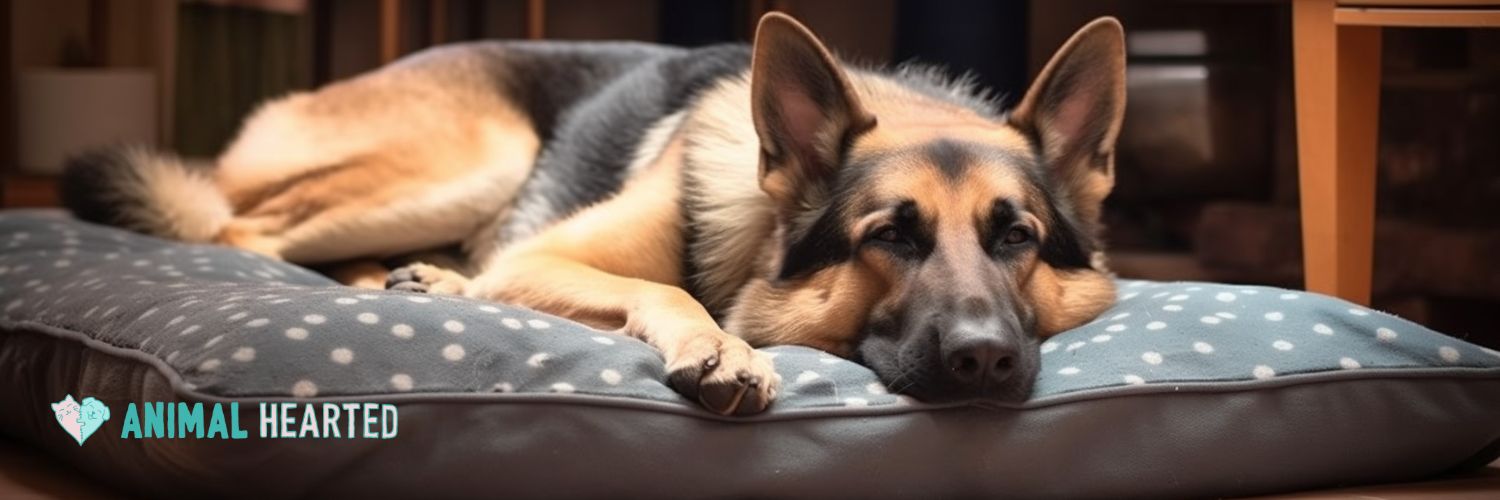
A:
[(229, 60)]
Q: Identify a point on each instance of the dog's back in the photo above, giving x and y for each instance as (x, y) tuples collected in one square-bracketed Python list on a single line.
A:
[(432, 150)]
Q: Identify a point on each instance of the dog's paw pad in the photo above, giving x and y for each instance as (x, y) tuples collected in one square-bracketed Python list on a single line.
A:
[(406, 279), (733, 379), (423, 278)]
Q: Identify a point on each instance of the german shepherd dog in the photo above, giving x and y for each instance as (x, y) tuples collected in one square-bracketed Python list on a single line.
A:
[(702, 200)]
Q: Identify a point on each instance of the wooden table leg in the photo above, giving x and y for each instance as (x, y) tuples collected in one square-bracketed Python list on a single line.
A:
[(1338, 101)]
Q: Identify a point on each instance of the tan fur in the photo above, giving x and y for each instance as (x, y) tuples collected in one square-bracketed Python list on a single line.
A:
[(632, 286), (396, 152), (391, 153), (362, 273)]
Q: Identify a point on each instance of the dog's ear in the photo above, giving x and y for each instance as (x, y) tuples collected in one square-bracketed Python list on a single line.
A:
[(804, 111), (1074, 109)]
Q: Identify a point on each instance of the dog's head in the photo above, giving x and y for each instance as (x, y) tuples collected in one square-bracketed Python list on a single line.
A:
[(930, 242)]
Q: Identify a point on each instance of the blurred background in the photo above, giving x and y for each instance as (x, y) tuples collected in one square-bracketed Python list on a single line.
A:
[(1207, 186)]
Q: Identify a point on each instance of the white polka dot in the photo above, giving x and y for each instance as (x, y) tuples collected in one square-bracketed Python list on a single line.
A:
[(342, 356), (367, 296), (402, 330), (238, 316), (1263, 372), (1076, 345), (346, 300), (1155, 325), (1275, 316), (807, 376), (1070, 370), (257, 322), (610, 377), (1120, 316), (1225, 315), (314, 319), (1348, 363), (1225, 297), (1048, 346), (1282, 345), (856, 402), (368, 318), (1099, 339), (189, 330), (453, 352), (504, 387), (1193, 288), (876, 388), (1171, 307), (1151, 357), (1117, 327), (511, 323), (1158, 295), (209, 365), (1178, 298), (401, 382), (176, 320), (604, 340), (1129, 296), (1288, 296), (1248, 292), (304, 389), (295, 333), (489, 309), (1322, 329), (1359, 312), (1134, 379), (244, 354), (1448, 353), (537, 324), (1210, 320), (563, 387), (538, 359), (419, 299), (1385, 334), (1203, 347), (453, 326)]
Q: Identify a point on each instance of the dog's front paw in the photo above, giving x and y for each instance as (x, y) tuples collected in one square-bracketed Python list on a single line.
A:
[(425, 278), (724, 374)]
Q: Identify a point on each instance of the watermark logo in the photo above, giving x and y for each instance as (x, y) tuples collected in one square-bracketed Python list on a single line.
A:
[(80, 419), (200, 420)]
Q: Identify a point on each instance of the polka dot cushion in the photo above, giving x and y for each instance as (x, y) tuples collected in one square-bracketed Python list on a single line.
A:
[(1174, 372)]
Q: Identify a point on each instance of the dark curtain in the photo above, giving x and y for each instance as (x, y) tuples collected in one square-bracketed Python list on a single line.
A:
[(230, 59)]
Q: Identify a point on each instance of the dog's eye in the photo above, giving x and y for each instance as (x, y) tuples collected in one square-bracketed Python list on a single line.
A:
[(1017, 236), (889, 235)]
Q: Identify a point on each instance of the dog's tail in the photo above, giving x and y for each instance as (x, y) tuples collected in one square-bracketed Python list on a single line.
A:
[(145, 191)]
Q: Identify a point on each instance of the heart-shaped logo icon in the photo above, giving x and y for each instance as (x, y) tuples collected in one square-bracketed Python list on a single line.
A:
[(80, 420)]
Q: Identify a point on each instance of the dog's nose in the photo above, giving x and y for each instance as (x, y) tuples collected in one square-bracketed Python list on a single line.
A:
[(978, 356)]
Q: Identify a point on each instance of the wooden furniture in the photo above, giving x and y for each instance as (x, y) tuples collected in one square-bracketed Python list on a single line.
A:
[(1336, 45)]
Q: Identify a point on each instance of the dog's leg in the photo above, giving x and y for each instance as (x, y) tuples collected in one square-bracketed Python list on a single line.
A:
[(615, 266), (363, 273), (722, 372), (704, 363)]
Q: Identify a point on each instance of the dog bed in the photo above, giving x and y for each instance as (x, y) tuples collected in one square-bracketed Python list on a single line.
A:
[(1182, 389)]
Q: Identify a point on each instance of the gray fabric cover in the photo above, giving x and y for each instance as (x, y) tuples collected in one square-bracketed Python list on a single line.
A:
[(1182, 389)]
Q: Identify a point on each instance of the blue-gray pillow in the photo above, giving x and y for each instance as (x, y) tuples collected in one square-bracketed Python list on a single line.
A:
[(1182, 389)]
